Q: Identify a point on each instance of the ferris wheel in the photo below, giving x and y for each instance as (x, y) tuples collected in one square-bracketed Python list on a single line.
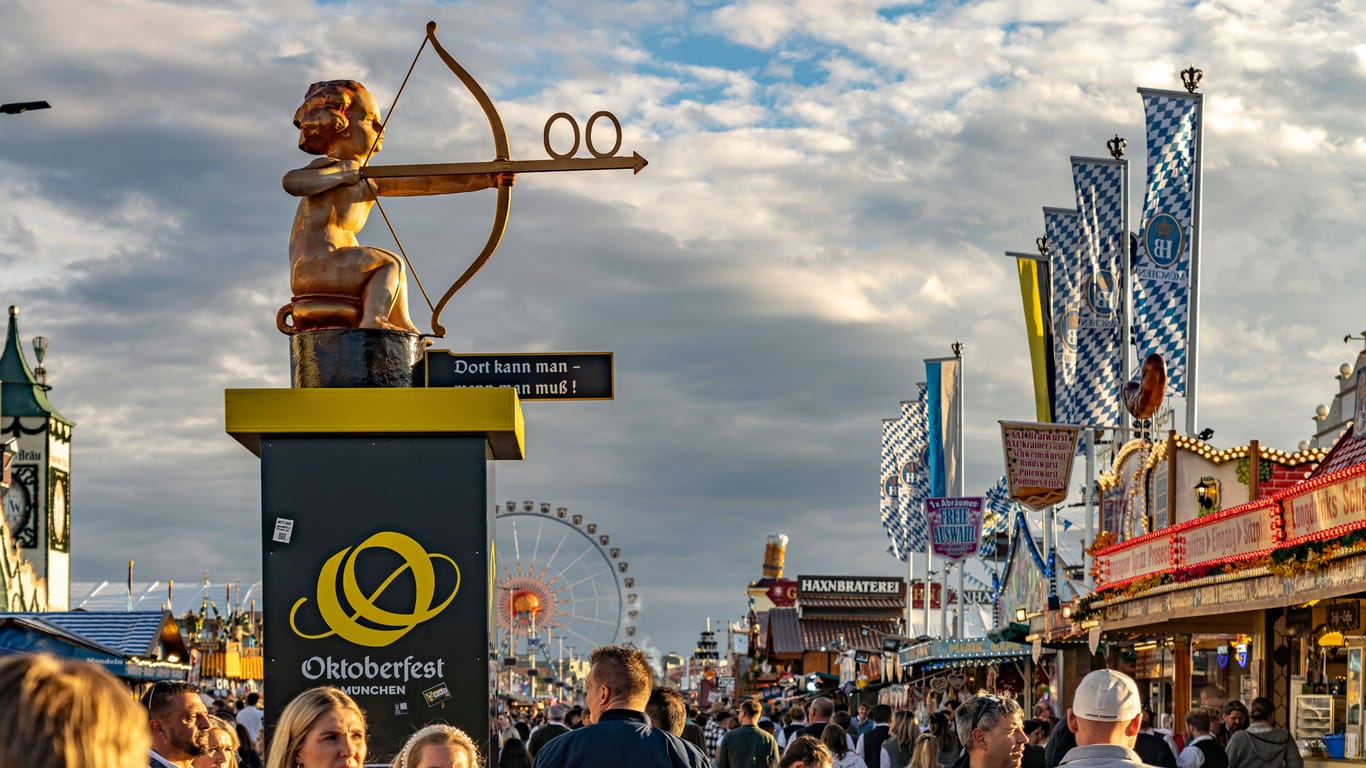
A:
[(559, 580)]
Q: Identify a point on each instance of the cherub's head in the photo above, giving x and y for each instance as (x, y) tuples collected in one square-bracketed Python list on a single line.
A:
[(334, 111)]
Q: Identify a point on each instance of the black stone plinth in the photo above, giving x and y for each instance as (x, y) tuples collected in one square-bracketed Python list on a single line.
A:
[(353, 357)]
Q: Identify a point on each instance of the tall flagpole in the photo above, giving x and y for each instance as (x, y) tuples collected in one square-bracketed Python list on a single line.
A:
[(929, 552), (1116, 146), (1191, 79), (959, 482), (944, 601), (910, 592), (1126, 287)]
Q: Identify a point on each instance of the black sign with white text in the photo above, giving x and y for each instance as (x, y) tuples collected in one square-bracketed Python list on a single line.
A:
[(535, 376), (851, 585)]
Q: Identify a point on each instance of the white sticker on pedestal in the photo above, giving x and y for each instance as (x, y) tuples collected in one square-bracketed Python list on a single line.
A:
[(284, 530)]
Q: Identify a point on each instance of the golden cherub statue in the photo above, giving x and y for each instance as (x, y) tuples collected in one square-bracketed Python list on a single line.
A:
[(336, 281)]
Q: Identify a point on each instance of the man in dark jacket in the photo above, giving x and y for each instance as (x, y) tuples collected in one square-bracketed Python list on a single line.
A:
[(178, 722), (1059, 742), (1203, 750), (553, 727), (1263, 745), (820, 712), (1036, 731), (1151, 746), (869, 745), (620, 736), (747, 746)]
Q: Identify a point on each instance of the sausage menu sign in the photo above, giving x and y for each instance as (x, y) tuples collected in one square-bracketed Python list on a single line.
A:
[(1038, 461)]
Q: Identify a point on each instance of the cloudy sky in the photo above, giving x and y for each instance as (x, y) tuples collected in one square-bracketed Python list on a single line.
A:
[(831, 186)]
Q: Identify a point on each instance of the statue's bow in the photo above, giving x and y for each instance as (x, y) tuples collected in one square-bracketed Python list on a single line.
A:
[(501, 152)]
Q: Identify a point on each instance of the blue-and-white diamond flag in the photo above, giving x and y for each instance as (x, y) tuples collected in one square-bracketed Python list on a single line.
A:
[(1000, 511), (1169, 227), (1101, 244), (1069, 270), (914, 469), (905, 481), (890, 487)]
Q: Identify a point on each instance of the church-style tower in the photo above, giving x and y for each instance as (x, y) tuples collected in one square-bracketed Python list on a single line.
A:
[(38, 503)]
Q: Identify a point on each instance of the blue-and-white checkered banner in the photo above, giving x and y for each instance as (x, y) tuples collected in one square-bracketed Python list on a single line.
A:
[(915, 471), (905, 481), (1101, 243), (890, 487), (1162, 271), (1062, 227), (1000, 511)]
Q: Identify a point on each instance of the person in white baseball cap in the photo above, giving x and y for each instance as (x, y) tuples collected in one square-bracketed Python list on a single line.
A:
[(1106, 714)]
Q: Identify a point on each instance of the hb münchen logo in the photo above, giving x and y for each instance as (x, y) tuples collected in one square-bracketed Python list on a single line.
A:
[(1163, 239), (354, 615), (1101, 293)]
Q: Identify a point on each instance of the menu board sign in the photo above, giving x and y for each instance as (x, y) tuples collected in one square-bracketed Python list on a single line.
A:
[(1038, 461)]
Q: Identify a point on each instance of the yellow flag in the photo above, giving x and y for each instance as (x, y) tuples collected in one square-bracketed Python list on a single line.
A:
[(1034, 294)]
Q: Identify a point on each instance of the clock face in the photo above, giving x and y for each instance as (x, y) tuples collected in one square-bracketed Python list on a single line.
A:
[(18, 507), (59, 511)]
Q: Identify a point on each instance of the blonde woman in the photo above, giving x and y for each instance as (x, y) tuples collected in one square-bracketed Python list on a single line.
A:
[(220, 746), (320, 728), (896, 750), (926, 751), (438, 746), (55, 714)]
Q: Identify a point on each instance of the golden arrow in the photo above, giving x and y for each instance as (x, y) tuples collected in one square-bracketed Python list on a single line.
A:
[(634, 163)]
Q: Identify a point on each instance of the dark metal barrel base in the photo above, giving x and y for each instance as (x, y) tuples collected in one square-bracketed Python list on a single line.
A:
[(353, 357)]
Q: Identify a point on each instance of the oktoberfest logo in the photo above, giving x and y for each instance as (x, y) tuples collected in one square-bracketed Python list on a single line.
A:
[(1065, 330), (354, 615), (1163, 239), (1101, 293)]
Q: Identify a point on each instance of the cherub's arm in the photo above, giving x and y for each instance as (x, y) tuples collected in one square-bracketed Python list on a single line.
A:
[(406, 186), (321, 175)]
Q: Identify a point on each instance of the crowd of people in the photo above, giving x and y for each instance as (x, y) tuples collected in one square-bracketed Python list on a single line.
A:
[(68, 714)]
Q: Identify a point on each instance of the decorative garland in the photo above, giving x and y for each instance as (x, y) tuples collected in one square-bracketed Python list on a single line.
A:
[(1312, 556), (1085, 607), (1103, 539)]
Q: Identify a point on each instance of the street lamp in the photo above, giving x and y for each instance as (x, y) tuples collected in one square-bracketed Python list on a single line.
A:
[(16, 107), (1207, 494)]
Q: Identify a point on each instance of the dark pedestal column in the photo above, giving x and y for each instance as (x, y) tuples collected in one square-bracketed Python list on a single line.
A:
[(377, 548), (353, 357)]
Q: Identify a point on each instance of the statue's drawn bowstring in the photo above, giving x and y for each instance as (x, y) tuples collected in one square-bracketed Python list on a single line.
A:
[(371, 190)]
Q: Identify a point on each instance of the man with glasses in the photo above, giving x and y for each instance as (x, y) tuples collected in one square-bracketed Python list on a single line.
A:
[(991, 730), (1105, 715), (178, 722)]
